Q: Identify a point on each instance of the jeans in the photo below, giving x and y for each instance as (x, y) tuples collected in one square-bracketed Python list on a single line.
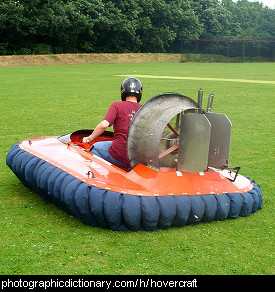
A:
[(101, 149)]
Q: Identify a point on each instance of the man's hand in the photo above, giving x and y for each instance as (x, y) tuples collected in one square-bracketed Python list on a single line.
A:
[(86, 139)]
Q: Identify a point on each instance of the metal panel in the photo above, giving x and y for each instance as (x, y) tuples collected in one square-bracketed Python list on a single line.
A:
[(220, 139), (194, 143)]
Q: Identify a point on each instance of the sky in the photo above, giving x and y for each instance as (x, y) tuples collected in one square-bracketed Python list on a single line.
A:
[(269, 3)]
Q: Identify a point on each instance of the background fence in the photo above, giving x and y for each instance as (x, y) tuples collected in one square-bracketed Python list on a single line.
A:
[(242, 50)]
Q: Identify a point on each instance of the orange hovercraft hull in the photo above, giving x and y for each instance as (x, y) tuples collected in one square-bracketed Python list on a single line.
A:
[(103, 195)]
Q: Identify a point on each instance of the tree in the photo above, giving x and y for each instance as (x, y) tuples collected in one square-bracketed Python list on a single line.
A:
[(256, 21), (31, 25), (113, 30), (12, 25), (217, 20), (67, 26), (158, 24)]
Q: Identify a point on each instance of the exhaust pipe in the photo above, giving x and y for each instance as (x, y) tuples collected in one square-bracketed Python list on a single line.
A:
[(210, 102), (200, 96)]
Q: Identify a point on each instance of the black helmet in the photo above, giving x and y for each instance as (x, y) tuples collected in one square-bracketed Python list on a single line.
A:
[(131, 86)]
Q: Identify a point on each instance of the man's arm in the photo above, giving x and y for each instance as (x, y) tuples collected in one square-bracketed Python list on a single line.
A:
[(99, 129)]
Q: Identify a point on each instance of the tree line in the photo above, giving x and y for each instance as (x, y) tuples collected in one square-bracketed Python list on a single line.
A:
[(92, 26)]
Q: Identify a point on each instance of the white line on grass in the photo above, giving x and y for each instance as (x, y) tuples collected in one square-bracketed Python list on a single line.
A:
[(202, 79)]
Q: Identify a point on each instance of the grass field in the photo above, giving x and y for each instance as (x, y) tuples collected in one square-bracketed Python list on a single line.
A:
[(39, 238)]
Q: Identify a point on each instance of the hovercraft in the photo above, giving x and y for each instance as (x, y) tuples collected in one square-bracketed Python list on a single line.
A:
[(178, 171)]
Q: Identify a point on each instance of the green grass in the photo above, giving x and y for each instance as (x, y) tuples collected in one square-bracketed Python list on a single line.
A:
[(39, 238)]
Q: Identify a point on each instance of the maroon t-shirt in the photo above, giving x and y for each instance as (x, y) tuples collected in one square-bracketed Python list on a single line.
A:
[(119, 115)]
